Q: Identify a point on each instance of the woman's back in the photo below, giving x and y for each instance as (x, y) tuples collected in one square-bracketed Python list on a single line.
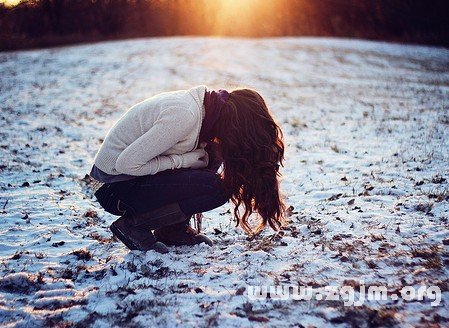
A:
[(168, 123)]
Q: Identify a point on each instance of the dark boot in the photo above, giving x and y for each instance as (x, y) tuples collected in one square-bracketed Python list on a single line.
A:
[(180, 234), (134, 230)]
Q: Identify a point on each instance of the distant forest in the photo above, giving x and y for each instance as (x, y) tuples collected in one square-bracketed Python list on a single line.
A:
[(42, 23)]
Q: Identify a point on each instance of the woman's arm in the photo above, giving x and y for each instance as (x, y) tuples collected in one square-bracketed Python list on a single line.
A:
[(142, 157)]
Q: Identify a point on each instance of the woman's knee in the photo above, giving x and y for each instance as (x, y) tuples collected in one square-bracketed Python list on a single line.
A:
[(215, 181), (210, 179)]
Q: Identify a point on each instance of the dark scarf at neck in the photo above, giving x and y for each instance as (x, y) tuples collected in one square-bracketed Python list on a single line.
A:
[(213, 104)]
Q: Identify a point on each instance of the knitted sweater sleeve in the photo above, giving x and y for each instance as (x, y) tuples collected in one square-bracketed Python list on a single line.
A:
[(142, 157)]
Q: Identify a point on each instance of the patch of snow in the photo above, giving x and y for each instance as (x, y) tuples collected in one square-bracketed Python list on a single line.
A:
[(367, 147)]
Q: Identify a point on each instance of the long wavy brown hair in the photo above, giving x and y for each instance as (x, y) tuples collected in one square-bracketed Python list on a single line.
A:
[(252, 148)]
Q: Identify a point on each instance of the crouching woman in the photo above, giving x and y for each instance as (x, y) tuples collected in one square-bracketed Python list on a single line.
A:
[(185, 152)]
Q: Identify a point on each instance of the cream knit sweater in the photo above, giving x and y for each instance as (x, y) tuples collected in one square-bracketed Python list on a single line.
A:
[(152, 134)]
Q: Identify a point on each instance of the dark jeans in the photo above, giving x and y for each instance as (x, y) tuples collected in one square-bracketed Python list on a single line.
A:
[(196, 191)]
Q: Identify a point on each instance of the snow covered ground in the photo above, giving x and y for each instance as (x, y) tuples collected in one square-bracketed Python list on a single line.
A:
[(367, 134)]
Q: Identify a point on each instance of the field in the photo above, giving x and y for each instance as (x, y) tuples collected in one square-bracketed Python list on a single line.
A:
[(366, 127)]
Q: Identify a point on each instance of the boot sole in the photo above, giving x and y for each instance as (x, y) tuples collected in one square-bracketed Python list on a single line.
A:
[(204, 239), (200, 239)]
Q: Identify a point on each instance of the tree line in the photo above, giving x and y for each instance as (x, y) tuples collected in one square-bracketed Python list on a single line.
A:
[(38, 23)]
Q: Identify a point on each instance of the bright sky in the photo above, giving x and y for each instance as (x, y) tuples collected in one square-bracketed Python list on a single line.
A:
[(10, 2)]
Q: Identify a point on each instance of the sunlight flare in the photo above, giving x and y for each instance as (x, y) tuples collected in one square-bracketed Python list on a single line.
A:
[(242, 17)]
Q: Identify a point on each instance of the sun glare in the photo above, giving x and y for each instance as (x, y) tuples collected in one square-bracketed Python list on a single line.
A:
[(240, 15), (227, 17), (10, 3)]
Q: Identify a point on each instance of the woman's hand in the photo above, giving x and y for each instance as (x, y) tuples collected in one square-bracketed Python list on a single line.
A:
[(196, 159)]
